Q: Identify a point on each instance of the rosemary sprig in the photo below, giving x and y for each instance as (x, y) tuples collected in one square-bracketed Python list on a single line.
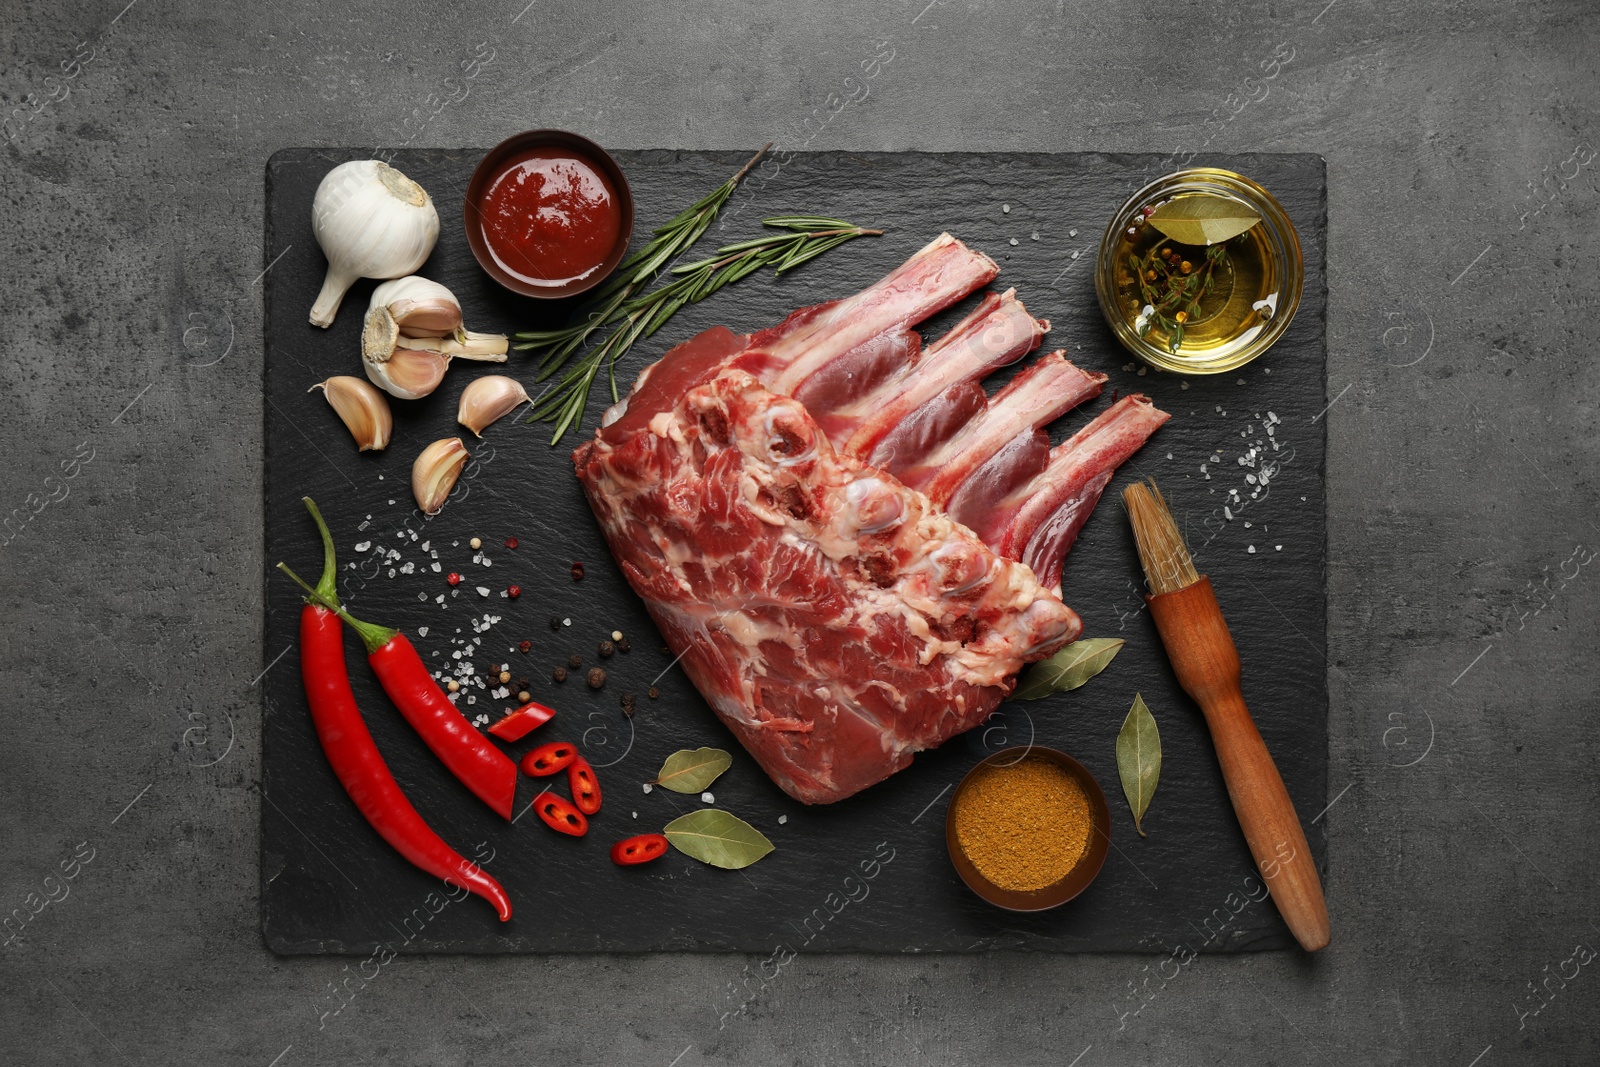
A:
[(604, 306), (637, 315)]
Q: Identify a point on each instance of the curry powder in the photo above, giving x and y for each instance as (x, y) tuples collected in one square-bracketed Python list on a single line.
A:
[(1024, 826)]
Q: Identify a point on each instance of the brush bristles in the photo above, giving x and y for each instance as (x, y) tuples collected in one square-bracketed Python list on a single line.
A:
[(1162, 552)]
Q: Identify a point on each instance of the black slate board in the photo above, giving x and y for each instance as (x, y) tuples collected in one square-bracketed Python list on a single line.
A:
[(868, 874)]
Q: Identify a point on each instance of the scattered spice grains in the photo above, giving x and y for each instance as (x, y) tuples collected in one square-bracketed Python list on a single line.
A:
[(475, 544), (627, 704), (575, 661), (523, 696), (606, 649), (559, 674), (514, 591), (654, 693), (577, 571), (622, 644), (511, 542), (597, 677), (524, 646), (1023, 826)]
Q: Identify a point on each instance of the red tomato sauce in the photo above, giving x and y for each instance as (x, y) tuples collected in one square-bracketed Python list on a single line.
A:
[(550, 216)]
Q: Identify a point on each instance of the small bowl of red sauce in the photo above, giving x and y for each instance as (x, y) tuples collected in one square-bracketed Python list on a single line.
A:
[(548, 214)]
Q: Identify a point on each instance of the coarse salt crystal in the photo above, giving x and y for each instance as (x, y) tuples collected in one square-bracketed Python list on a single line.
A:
[(1227, 512), (707, 798), (1251, 550), (1013, 241), (363, 546), (568, 622), (1072, 233), (483, 590), (439, 600), (782, 819), (437, 568), (391, 572), (1183, 385), (1277, 548), (1005, 208), (647, 787), (422, 631)]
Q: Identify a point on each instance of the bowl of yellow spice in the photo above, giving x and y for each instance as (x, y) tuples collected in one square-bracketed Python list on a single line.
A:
[(1028, 828)]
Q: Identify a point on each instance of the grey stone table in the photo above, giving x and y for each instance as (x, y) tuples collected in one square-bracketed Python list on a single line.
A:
[(1462, 467)]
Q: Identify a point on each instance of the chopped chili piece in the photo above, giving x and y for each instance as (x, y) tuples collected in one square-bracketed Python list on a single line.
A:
[(548, 759), (520, 723), (633, 851), (558, 813), (585, 786)]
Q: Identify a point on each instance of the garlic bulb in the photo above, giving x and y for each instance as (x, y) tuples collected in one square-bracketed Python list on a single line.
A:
[(412, 331), (434, 473), (372, 222), (362, 408), (487, 400)]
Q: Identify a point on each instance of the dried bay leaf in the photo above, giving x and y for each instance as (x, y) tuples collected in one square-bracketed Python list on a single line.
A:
[(1203, 219), (717, 837), (1139, 759), (1069, 668), (692, 770)]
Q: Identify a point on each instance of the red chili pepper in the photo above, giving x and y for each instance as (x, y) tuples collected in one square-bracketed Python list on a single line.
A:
[(636, 850), (558, 813), (520, 723), (468, 755), (585, 786), (548, 759), (354, 757)]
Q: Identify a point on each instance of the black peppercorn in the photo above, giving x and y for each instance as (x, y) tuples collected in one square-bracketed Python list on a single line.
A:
[(627, 704), (623, 646), (606, 648), (575, 661), (577, 571), (654, 692), (555, 623), (597, 677), (559, 674)]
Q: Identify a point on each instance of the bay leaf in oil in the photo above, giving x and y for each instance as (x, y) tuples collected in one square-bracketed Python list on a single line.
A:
[(717, 837), (692, 770), (1203, 219), (1069, 668), (1139, 759)]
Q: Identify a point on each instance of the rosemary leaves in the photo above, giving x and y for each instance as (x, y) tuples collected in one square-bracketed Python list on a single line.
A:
[(622, 312)]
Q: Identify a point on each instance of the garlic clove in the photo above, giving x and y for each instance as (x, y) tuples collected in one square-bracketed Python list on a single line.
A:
[(434, 473), (372, 222), (420, 307), (488, 399), (408, 374), (362, 408)]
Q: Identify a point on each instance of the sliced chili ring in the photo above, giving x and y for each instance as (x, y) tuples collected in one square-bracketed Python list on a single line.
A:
[(636, 850), (520, 723), (558, 813), (548, 759), (585, 786)]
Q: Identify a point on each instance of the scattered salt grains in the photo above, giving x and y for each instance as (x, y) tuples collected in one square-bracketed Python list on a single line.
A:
[(1247, 525), (1012, 242), (422, 597), (483, 590), (1075, 255), (1130, 366), (437, 568), (1251, 550), (1183, 385), (1227, 513), (391, 572), (408, 568), (1140, 372), (456, 654), (1005, 209), (707, 798), (425, 545), (391, 502), (1034, 236), (1072, 233), (635, 815), (439, 600), (501, 693), (1239, 382), (568, 622), (1277, 548), (782, 819), (363, 546), (647, 787), (1169, 455), (474, 700), (422, 631)]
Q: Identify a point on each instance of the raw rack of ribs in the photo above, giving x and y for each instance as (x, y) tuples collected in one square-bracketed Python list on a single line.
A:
[(850, 545)]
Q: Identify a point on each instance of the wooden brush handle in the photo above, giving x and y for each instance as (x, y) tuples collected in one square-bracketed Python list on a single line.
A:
[(1207, 664)]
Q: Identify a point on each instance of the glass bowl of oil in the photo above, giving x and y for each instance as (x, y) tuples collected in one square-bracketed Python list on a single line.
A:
[(1199, 308)]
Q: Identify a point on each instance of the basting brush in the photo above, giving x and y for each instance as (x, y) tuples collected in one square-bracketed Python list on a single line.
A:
[(1207, 665)]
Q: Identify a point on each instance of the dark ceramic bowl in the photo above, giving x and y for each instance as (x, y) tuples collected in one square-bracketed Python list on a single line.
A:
[(490, 166), (1076, 880)]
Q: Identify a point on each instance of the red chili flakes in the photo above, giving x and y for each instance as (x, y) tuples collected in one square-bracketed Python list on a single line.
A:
[(514, 591), (511, 542), (453, 578), (524, 646), (577, 571)]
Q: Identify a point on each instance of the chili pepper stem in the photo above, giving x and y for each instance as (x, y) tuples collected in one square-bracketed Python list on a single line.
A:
[(373, 636), (328, 585)]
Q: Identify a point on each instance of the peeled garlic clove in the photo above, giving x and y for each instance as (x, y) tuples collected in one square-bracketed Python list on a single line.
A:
[(434, 473), (362, 408), (419, 307), (487, 400), (372, 222)]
